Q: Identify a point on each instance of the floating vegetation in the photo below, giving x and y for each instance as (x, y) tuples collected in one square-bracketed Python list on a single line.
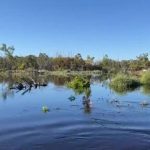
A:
[(80, 85), (45, 109), (72, 98), (122, 83), (79, 82)]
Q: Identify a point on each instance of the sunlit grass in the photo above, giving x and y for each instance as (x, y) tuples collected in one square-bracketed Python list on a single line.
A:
[(145, 78), (123, 82)]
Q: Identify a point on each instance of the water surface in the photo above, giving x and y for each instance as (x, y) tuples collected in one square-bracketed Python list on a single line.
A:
[(107, 121)]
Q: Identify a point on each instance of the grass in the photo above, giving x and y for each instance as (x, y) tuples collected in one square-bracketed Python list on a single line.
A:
[(145, 78), (74, 73), (124, 82)]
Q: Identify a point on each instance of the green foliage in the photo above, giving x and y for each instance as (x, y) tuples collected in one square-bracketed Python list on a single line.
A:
[(7, 50), (9, 59), (21, 66), (79, 85), (45, 109), (79, 82), (145, 78), (121, 83), (43, 61), (73, 63)]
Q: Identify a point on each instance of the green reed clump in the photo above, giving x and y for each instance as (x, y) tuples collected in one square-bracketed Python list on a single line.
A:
[(124, 82), (79, 84), (145, 78)]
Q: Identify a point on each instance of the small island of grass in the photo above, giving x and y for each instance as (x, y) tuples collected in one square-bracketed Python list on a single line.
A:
[(123, 82)]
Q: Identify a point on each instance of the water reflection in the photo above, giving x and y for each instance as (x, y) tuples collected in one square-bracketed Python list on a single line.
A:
[(6, 92), (59, 80), (114, 117), (123, 91), (10, 81), (10, 84), (87, 104), (146, 89)]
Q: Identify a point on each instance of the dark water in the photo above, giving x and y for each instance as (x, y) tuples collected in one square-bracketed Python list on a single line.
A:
[(108, 121)]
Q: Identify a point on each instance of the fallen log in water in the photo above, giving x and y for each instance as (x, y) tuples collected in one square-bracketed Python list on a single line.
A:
[(27, 84), (19, 86)]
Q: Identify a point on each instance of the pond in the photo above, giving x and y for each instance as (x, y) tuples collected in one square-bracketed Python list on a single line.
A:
[(101, 120)]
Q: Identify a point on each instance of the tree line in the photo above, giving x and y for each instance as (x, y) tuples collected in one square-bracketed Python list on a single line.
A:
[(75, 63)]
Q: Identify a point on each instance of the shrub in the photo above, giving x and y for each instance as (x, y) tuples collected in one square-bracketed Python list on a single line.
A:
[(145, 78), (79, 84), (123, 82)]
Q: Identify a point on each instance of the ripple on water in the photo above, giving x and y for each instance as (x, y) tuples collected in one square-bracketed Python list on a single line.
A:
[(76, 133)]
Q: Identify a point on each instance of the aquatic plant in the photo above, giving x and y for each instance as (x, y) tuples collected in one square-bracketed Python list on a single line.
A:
[(45, 109), (79, 83), (72, 98), (123, 82), (145, 78)]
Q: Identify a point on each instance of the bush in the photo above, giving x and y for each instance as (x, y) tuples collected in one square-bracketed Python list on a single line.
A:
[(145, 78), (123, 82), (79, 84)]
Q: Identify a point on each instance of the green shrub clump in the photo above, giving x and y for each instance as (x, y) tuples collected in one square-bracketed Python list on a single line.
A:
[(124, 82), (145, 78), (79, 83)]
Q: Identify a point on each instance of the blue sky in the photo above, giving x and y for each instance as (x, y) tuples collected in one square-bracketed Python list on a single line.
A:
[(119, 28)]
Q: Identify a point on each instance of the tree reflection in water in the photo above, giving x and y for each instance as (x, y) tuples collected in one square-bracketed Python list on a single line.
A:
[(87, 104), (5, 91), (86, 101)]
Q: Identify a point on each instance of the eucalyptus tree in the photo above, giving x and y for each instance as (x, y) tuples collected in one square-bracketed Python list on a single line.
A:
[(8, 52), (79, 62), (90, 59), (143, 60), (43, 61)]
